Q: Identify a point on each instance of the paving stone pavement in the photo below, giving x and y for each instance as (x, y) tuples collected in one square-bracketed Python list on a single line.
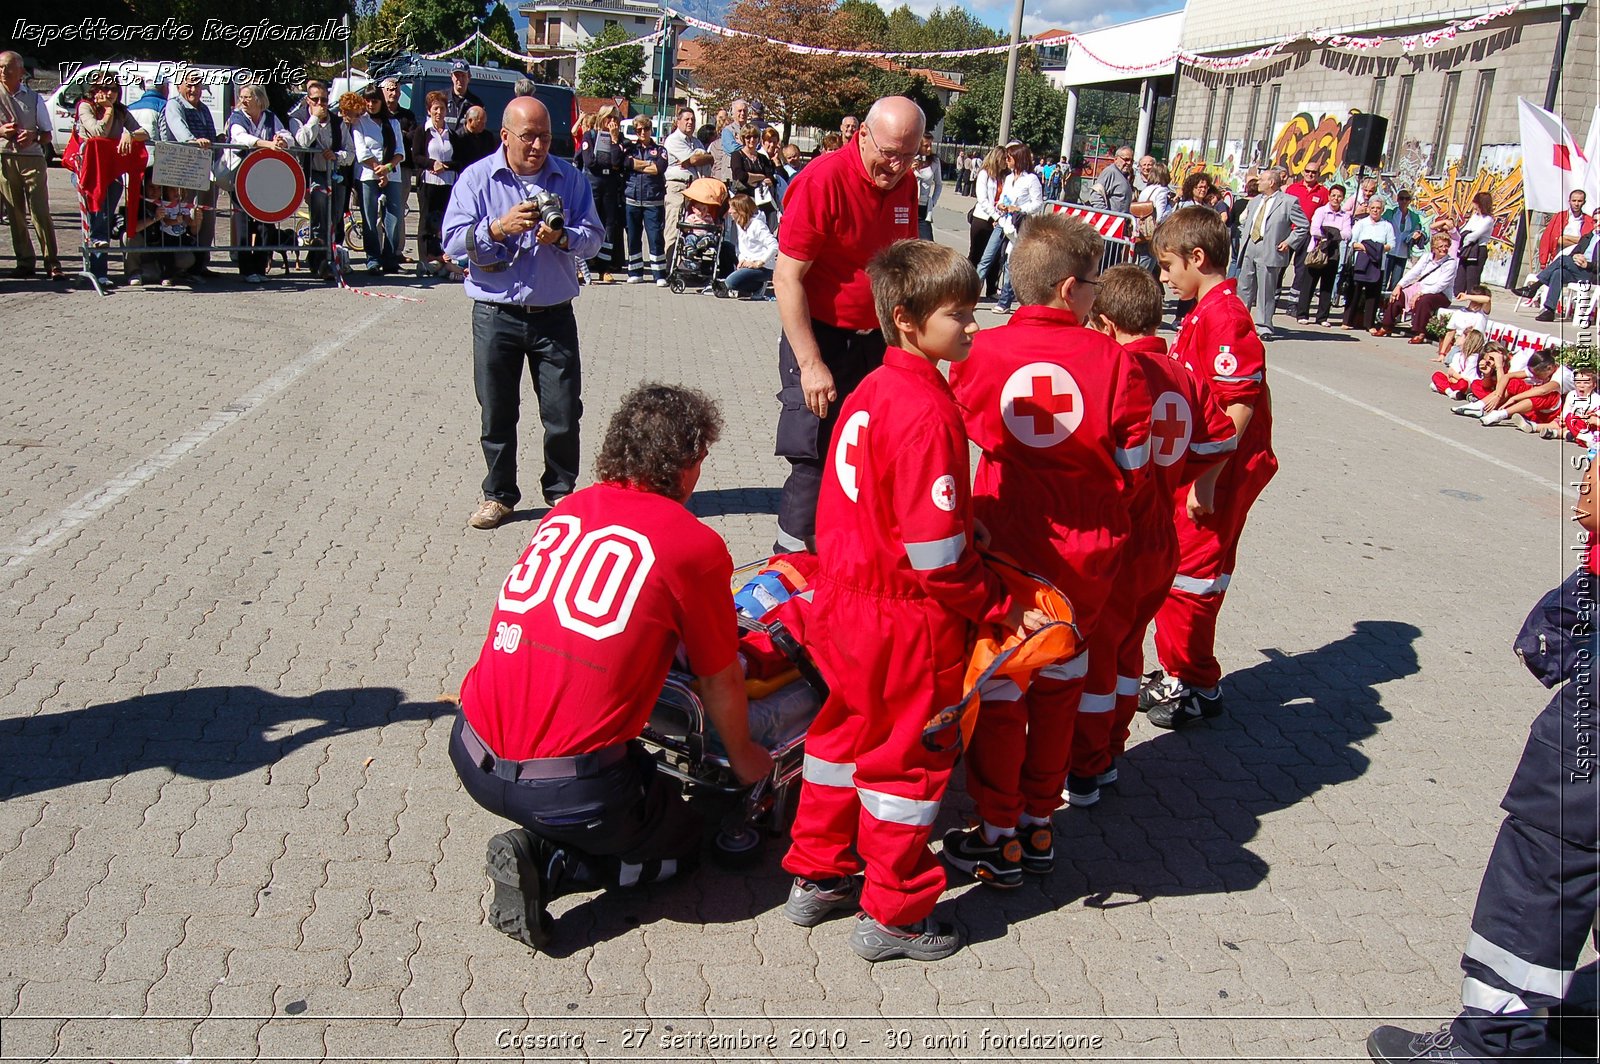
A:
[(238, 593)]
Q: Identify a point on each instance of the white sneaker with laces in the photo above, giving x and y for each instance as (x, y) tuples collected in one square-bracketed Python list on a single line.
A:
[(1494, 417)]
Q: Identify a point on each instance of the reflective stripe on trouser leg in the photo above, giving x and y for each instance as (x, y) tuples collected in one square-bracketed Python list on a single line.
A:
[(1186, 624), (1091, 735), (900, 784), (824, 830), (1535, 911), (633, 875)]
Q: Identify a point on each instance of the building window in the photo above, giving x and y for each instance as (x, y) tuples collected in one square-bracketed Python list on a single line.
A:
[(1377, 96), (1480, 110), (1447, 114), (1205, 130), (1397, 129), (1222, 126), (1271, 131), (1247, 157), (609, 23)]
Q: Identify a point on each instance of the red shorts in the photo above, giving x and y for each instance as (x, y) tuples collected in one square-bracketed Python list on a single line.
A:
[(1544, 407)]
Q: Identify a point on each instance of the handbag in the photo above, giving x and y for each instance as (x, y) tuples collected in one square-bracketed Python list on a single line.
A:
[(762, 194), (1317, 257)]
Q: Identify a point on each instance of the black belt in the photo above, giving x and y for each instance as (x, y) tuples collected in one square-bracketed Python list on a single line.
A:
[(524, 311), (578, 766)]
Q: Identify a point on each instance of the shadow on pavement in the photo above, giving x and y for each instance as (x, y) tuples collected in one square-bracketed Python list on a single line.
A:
[(208, 733), (1186, 805), (720, 502)]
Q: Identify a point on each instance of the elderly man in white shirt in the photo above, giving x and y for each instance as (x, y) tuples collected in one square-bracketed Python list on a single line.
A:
[(687, 159)]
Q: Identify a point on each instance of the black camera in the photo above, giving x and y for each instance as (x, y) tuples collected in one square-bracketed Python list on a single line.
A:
[(548, 205)]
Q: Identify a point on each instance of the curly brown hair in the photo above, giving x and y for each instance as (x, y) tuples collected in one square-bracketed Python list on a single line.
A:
[(659, 431)]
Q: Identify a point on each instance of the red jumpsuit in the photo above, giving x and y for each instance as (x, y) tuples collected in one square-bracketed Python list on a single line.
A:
[(1217, 340), (1188, 432), (1062, 416), (898, 588)]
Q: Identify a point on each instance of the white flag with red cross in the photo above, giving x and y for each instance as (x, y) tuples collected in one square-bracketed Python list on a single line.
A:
[(1552, 163)]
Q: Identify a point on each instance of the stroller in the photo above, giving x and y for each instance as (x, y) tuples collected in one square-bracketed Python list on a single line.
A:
[(697, 254), (786, 692)]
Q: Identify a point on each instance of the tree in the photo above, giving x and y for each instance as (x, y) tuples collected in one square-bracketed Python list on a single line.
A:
[(434, 25), (500, 28), (865, 20), (788, 84), (618, 72), (876, 83), (1037, 111)]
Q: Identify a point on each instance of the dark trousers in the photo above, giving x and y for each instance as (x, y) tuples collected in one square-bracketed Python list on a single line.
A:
[(1469, 274), (1394, 266), (1321, 282), (645, 228), (804, 438), (608, 205), (1423, 308), (319, 201), (1362, 307), (612, 824), (256, 235), (432, 200), (1536, 907), (1561, 272), (506, 337)]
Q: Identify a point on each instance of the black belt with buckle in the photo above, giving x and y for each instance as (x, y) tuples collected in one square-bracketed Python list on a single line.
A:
[(522, 310), (578, 766)]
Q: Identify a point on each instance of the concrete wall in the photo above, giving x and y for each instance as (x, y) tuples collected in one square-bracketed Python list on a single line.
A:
[(1316, 90)]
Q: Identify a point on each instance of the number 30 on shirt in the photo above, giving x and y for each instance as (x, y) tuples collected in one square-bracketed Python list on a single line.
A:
[(592, 579)]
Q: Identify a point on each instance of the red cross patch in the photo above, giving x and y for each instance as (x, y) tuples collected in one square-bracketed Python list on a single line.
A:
[(1225, 363), (847, 455), (1171, 428), (944, 493), (1041, 405)]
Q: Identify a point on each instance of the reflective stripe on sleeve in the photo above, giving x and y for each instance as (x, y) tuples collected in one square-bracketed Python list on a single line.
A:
[(936, 554), (1134, 457), (1097, 703), (1199, 585), (896, 809), (1524, 975), (1127, 685), (1067, 670), (1000, 689), (1252, 378), (1227, 446), (790, 543), (1476, 994), (828, 773)]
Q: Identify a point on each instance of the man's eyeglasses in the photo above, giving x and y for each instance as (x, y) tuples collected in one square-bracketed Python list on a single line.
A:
[(531, 138), (903, 158)]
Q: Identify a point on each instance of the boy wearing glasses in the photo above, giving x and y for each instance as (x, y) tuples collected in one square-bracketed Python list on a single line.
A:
[(1062, 417)]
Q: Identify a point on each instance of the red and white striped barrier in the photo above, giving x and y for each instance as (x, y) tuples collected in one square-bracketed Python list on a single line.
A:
[(1109, 224)]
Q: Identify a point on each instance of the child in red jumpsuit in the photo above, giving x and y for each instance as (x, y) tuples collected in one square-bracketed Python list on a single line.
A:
[(898, 588), (1062, 416), (1218, 341), (1188, 432)]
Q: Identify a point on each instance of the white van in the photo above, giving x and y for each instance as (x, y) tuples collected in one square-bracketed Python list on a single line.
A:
[(221, 86)]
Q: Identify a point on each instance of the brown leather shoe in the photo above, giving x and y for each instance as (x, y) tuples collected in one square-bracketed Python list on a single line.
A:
[(1418, 338), (1379, 331), (490, 514)]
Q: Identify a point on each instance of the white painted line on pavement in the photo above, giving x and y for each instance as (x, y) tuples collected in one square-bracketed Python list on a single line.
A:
[(1414, 427), (50, 531)]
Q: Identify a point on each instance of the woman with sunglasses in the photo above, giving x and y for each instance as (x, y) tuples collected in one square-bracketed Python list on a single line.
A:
[(753, 174)]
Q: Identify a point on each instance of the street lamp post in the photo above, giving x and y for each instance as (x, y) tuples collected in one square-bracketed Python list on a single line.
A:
[(477, 40), (1011, 73)]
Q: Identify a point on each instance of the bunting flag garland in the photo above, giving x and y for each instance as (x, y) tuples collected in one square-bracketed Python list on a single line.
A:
[(1325, 38)]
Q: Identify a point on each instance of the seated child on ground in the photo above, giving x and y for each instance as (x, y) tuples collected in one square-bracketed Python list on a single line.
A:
[(1580, 412), (1479, 304), (1532, 394), (1462, 367)]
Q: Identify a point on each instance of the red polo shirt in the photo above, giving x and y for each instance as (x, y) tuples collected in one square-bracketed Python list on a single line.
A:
[(835, 218), (1310, 198)]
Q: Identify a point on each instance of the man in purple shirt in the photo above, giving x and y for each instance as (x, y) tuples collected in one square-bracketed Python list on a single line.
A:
[(523, 281)]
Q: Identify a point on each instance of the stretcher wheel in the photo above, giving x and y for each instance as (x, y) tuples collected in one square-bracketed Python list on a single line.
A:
[(737, 846), (677, 286)]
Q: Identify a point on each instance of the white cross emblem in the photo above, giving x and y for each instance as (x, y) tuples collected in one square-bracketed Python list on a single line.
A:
[(1226, 363), (944, 493), (1041, 404), (845, 462), (1171, 428)]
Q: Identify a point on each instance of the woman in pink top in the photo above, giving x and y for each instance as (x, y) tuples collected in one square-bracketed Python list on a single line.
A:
[(1330, 231)]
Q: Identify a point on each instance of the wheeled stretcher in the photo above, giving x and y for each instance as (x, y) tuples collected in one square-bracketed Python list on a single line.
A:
[(682, 738)]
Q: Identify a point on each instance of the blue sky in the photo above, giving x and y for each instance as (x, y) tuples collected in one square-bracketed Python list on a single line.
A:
[(1039, 15)]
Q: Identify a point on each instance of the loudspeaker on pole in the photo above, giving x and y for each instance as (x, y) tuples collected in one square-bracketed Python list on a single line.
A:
[(1365, 146)]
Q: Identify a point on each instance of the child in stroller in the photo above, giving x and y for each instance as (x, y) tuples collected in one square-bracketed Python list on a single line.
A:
[(698, 255)]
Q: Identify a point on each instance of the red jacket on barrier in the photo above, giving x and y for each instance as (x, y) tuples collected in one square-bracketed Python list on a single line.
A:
[(97, 164)]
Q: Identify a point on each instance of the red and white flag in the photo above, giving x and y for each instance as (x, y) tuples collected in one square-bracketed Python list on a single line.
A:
[(1552, 163)]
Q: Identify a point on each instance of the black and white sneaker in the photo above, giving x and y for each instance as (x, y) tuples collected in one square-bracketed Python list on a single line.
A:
[(522, 887), (998, 863), (1038, 843), (1157, 688), (1191, 705), (1388, 1044), (1082, 791)]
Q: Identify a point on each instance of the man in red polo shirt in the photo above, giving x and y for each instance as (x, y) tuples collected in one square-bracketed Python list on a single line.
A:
[(1311, 193), (840, 210), (618, 577)]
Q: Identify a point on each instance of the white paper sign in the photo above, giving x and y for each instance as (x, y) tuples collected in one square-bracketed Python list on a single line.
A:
[(181, 165)]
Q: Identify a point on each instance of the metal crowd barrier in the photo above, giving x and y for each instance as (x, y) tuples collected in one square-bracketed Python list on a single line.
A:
[(1118, 230), (301, 239)]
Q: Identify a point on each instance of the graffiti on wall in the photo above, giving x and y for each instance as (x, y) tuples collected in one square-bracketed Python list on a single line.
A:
[(1499, 174), (1186, 159), (1306, 141)]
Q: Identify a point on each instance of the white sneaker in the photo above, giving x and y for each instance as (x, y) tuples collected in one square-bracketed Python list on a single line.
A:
[(1435, 388), (1494, 417), (661, 282), (634, 278), (1472, 409)]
